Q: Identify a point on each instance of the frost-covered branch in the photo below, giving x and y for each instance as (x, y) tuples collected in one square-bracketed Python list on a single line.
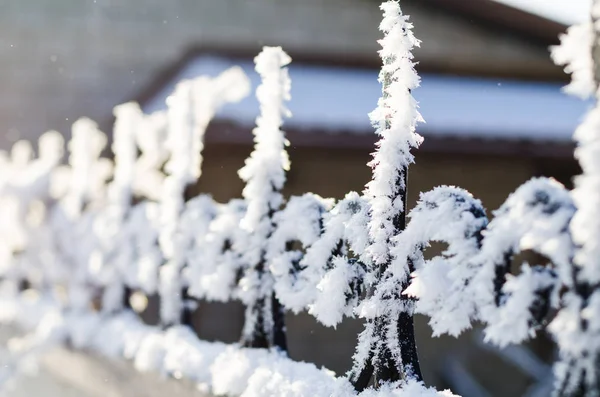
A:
[(576, 327), (264, 174), (72, 219), (26, 195), (213, 262), (191, 108), (297, 227), (472, 279), (442, 284), (88, 171), (114, 252), (575, 54), (337, 261), (387, 344), (535, 218), (141, 228), (151, 136)]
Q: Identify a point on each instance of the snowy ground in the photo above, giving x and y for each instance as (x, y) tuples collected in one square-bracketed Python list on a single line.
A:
[(65, 373)]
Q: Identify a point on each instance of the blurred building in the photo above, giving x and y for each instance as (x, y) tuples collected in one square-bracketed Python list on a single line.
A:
[(70, 58), (490, 95)]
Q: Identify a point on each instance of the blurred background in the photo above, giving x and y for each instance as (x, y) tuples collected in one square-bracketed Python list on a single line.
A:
[(491, 97)]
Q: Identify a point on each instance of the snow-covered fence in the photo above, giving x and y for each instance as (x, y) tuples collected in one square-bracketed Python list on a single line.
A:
[(79, 243)]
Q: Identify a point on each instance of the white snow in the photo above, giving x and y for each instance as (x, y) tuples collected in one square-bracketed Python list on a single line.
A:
[(574, 53), (576, 328), (395, 120), (460, 286), (264, 174), (216, 367), (109, 223), (345, 233), (299, 222), (585, 227), (213, 261), (151, 136), (441, 284), (190, 109)]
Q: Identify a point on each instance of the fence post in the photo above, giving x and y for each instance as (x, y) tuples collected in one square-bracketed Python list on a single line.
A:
[(387, 347), (264, 174)]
